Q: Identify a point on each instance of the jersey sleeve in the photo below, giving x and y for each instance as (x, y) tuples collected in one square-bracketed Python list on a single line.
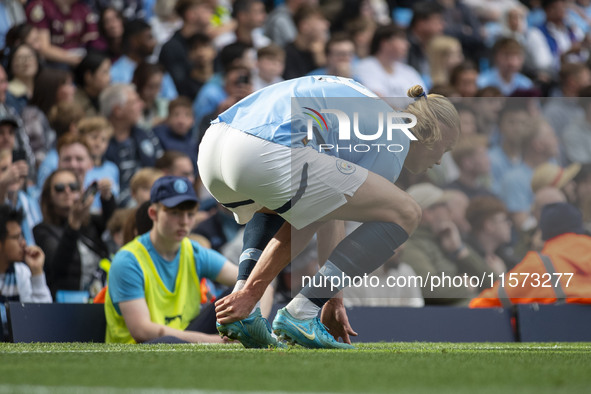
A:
[(208, 262), (91, 31), (37, 15), (126, 279)]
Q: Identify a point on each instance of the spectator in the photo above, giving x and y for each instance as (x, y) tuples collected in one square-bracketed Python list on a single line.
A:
[(512, 121), (361, 32), (566, 251), (66, 27), (176, 133), (128, 9), (115, 225), (175, 163), (134, 307), (427, 23), (340, 52), (463, 24), (436, 247), (539, 145), (23, 67), (141, 183), (17, 139), (237, 85), (21, 267), (457, 203), (468, 120), (383, 72), (250, 16), (91, 76), (13, 191), (444, 53), (491, 232), (491, 10), (69, 235), (165, 23), (52, 87), (196, 16), (13, 14), (201, 55), (96, 132), (306, 52), (489, 105), (147, 79), (555, 40), (577, 134), (508, 58), (110, 42), (130, 147), (63, 119), (280, 26), (138, 45), (213, 92), (552, 175), (74, 155), (471, 156), (563, 109), (583, 194), (270, 66), (18, 35)]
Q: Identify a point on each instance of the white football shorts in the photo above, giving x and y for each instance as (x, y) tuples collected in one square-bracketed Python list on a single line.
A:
[(246, 173)]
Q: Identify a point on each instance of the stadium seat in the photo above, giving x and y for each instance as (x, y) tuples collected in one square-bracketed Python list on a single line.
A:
[(56, 322), (554, 323)]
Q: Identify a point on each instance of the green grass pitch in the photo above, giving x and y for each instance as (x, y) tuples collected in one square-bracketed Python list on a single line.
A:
[(372, 367)]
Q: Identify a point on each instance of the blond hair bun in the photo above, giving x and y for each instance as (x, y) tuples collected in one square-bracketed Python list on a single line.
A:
[(415, 91)]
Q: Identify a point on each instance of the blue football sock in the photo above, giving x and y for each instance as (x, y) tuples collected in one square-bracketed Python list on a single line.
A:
[(361, 252)]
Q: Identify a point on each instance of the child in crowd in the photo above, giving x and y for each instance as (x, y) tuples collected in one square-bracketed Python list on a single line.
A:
[(142, 182), (96, 132), (175, 133), (509, 56), (270, 65)]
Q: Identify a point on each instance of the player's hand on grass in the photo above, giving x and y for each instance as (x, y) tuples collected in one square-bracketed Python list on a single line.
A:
[(334, 317), (234, 307)]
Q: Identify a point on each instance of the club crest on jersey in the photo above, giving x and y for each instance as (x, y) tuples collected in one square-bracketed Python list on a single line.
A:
[(345, 167)]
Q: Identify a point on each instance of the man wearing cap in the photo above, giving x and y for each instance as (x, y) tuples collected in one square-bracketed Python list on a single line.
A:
[(560, 272), (154, 281), (436, 248)]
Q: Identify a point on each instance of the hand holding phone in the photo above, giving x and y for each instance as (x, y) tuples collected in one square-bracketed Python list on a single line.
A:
[(90, 191)]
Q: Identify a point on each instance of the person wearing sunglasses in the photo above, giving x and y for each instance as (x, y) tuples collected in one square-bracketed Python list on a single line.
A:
[(70, 235)]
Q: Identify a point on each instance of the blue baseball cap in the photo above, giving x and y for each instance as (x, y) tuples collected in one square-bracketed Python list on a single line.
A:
[(171, 191)]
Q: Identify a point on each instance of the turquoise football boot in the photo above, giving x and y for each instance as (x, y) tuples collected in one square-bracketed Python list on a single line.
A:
[(310, 333), (254, 332)]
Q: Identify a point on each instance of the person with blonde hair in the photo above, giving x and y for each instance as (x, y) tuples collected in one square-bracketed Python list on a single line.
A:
[(96, 132), (308, 160), (444, 54), (141, 184)]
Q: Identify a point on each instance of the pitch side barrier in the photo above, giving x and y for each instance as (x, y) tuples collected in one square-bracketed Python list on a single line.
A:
[(526, 323)]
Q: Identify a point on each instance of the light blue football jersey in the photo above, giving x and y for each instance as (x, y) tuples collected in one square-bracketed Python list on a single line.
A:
[(333, 115)]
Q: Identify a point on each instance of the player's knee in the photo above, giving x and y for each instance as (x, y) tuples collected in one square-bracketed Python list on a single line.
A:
[(409, 214)]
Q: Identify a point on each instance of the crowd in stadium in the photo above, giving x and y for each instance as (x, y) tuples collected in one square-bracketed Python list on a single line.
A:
[(113, 95)]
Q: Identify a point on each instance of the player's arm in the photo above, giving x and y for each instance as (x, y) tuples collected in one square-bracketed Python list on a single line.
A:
[(333, 315), (55, 53), (275, 257), (142, 329)]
